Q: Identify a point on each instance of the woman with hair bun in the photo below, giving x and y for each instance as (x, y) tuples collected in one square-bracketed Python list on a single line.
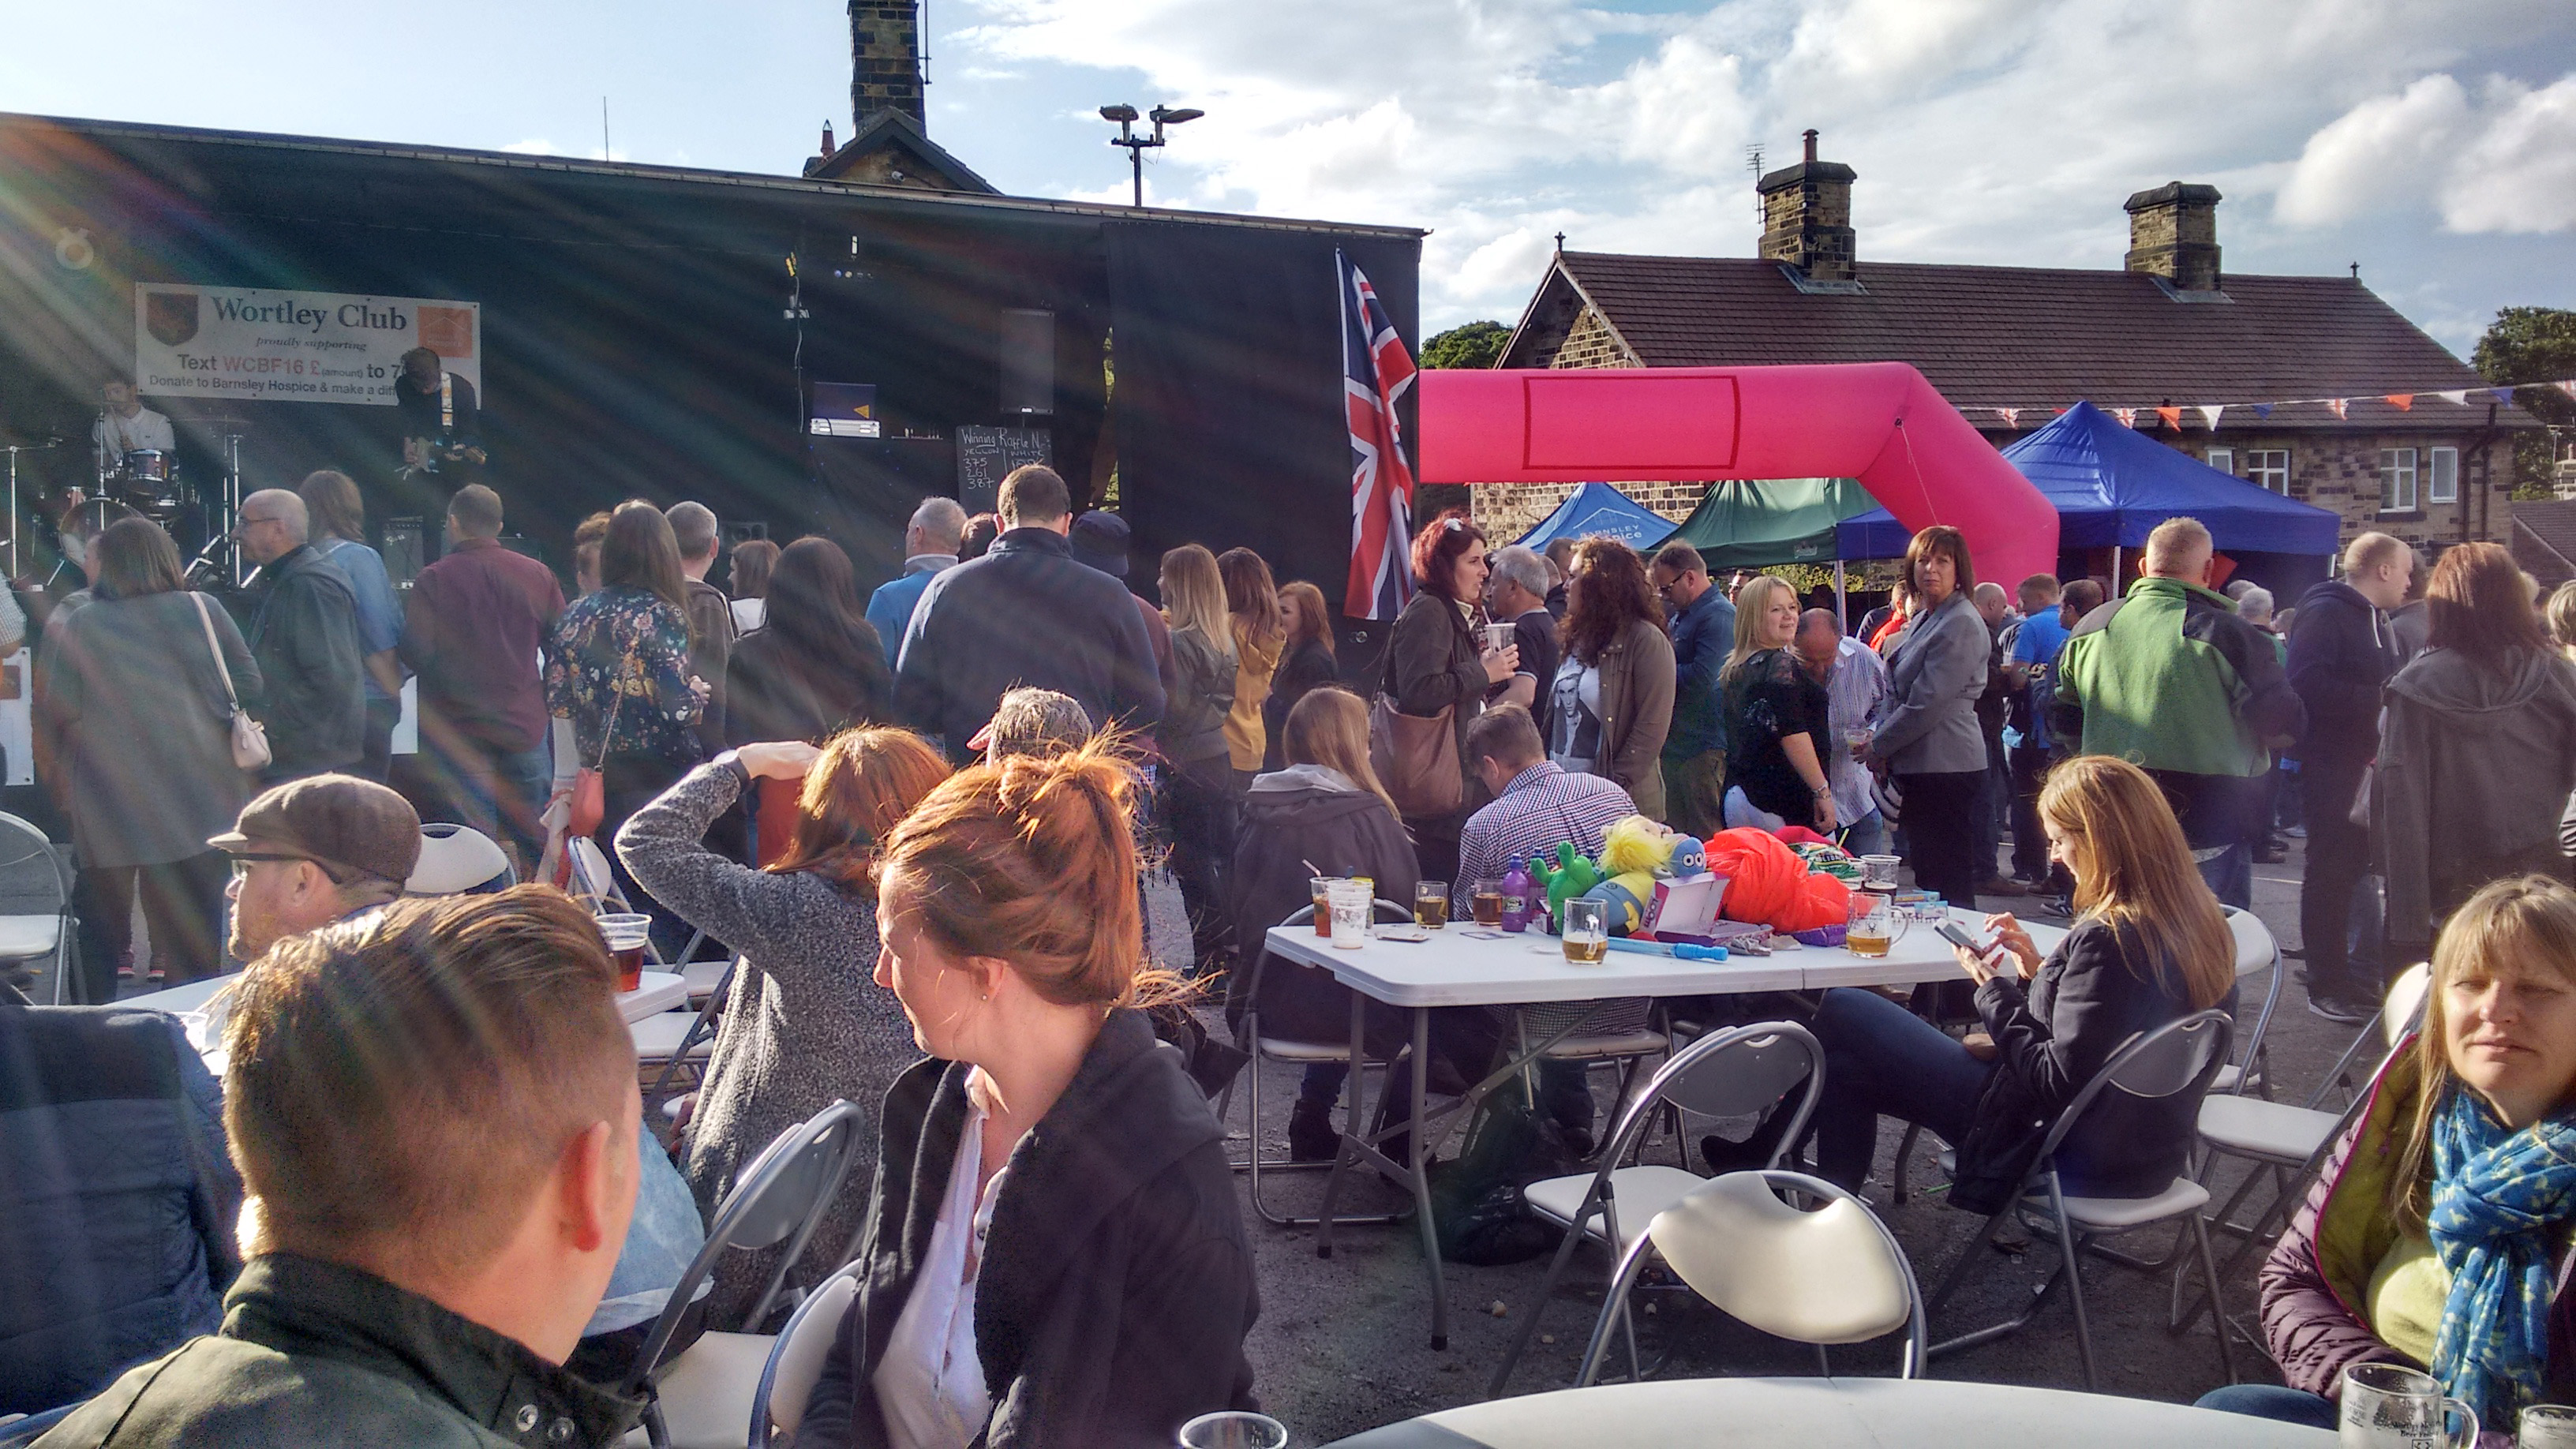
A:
[(1053, 1254)]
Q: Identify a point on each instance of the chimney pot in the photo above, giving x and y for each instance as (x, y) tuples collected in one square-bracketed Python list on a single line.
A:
[(1806, 218), (829, 150), (2173, 234)]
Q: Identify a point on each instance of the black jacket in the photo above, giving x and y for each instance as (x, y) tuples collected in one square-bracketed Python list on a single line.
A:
[(2473, 779), (313, 1353), (2342, 650), (117, 1211), (1289, 818), (303, 630), (783, 682), (1308, 664), (1116, 1286), (1024, 614), (2094, 992)]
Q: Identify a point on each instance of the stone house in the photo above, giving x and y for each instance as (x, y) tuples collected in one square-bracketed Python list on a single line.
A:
[(2391, 430)]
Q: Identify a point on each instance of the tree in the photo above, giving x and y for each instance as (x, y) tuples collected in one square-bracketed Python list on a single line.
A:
[(2532, 344), (1477, 344)]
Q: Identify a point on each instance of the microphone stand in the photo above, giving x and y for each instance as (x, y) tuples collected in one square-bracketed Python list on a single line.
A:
[(15, 522)]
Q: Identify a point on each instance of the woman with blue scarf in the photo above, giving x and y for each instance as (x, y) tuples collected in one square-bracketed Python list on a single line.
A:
[(2438, 1234)]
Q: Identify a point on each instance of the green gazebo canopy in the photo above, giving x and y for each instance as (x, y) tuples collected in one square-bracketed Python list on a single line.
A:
[(1761, 523)]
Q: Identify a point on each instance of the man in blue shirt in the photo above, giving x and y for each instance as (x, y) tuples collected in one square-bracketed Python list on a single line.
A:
[(2031, 672), (929, 545), (1703, 627)]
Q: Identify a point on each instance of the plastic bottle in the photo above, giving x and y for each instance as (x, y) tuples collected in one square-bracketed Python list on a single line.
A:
[(1520, 889)]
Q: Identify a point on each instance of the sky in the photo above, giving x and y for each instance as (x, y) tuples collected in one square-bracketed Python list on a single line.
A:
[(2433, 142)]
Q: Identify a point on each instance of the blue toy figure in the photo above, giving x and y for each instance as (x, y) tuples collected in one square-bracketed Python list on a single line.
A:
[(1690, 857)]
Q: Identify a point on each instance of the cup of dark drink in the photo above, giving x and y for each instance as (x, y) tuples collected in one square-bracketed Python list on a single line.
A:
[(626, 935)]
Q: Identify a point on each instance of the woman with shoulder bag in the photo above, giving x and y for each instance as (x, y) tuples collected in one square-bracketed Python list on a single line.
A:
[(1437, 669), (626, 707), (135, 700)]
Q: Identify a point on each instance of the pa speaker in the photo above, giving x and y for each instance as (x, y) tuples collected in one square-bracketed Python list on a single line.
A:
[(1028, 361)]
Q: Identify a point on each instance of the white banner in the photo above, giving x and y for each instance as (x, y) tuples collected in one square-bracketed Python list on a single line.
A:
[(264, 346)]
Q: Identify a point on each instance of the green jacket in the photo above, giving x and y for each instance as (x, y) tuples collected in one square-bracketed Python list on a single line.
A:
[(313, 1353), (2169, 679)]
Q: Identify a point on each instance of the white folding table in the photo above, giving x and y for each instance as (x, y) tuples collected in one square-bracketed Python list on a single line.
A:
[(658, 991), (1831, 1414), (1465, 965)]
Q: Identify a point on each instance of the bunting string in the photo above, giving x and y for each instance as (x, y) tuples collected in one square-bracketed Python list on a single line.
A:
[(2169, 415)]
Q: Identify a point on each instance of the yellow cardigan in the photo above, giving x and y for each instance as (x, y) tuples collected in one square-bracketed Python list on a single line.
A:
[(1254, 663)]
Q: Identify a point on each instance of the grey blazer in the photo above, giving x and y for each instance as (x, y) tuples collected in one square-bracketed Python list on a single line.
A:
[(1928, 722)]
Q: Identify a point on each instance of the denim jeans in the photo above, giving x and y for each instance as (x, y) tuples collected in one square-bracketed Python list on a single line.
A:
[(1867, 836), (2230, 874), (2271, 1401), (1883, 1060)]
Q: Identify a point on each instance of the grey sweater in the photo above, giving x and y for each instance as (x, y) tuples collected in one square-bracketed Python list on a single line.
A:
[(803, 1024)]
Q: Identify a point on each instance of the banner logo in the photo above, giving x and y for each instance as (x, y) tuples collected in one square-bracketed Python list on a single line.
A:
[(171, 317)]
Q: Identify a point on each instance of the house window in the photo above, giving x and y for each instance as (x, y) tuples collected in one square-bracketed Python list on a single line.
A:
[(2222, 459), (2444, 484), (2269, 467), (2397, 480)]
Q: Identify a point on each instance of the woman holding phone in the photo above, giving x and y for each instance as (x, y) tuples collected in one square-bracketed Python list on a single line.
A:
[(2149, 945)]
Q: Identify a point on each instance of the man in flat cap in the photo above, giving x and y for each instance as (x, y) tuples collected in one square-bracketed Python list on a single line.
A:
[(313, 851)]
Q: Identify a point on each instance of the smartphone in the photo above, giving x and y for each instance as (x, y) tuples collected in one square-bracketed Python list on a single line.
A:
[(1957, 935)]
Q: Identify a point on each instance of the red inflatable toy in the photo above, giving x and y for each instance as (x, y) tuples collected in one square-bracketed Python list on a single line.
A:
[(1768, 884), (1878, 422)]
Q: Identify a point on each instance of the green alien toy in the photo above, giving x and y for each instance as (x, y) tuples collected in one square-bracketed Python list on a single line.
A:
[(1571, 876)]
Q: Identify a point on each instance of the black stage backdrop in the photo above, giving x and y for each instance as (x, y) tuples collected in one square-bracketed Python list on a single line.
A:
[(1233, 432)]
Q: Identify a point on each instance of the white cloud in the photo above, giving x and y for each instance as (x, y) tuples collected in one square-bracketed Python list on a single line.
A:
[(1983, 130), (533, 148), (2520, 174)]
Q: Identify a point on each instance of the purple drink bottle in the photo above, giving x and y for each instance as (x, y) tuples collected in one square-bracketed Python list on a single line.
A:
[(1520, 892)]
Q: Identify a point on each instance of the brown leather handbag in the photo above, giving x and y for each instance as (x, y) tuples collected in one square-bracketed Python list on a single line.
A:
[(1416, 757)]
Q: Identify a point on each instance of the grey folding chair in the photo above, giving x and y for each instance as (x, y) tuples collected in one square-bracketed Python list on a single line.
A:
[(703, 1397), (2256, 950), (681, 1042), (2181, 1057), (1731, 1073), (1832, 1275), (1265, 1048), (796, 1360), (36, 916)]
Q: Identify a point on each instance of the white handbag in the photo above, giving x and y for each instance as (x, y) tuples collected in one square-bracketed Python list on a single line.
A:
[(250, 737)]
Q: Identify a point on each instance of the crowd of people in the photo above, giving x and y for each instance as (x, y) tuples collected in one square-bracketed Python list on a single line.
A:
[(423, 1204)]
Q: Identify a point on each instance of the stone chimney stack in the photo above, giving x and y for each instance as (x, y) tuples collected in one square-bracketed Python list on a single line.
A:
[(1806, 218), (2173, 233), (885, 59)]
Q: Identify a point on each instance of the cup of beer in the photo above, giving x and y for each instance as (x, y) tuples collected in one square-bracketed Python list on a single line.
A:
[(1350, 903), (1321, 888), (1587, 931), (1431, 904), (1498, 637), (626, 935), (1875, 925), (1488, 903)]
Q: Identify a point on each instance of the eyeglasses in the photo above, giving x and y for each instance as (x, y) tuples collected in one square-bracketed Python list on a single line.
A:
[(244, 860)]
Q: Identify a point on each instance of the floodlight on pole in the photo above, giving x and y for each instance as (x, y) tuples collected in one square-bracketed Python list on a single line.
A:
[(1126, 116)]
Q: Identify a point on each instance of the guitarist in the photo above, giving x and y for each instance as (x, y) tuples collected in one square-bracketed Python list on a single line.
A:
[(441, 423)]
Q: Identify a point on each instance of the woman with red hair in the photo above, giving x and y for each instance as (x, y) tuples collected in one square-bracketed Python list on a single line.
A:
[(2477, 753), (1053, 1254), (1435, 662)]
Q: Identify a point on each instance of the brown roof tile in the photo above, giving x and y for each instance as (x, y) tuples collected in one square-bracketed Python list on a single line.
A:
[(2544, 539), (2040, 337)]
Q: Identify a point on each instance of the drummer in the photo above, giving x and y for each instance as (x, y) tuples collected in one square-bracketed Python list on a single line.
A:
[(125, 426)]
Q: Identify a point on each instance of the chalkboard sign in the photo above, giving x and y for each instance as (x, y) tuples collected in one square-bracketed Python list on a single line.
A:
[(985, 456)]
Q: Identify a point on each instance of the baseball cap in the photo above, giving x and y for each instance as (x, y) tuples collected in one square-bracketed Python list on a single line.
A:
[(340, 822), (1100, 540)]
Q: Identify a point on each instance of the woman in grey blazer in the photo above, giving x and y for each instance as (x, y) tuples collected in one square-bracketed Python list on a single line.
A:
[(1926, 731)]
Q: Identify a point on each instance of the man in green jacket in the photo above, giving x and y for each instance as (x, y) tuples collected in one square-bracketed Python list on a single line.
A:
[(2171, 680), (434, 1110)]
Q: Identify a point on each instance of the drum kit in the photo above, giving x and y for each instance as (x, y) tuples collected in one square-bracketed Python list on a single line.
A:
[(150, 482)]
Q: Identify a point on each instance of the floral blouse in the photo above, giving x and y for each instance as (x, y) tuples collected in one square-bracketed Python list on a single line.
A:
[(630, 642)]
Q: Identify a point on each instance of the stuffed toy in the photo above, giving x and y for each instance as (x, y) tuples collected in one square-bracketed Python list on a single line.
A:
[(1571, 876), (1690, 857), (1633, 852), (1627, 910)]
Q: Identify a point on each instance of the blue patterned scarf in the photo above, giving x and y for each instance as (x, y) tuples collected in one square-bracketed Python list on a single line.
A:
[(2500, 1200)]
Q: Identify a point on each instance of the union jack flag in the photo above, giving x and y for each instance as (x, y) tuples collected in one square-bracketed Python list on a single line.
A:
[(1376, 371)]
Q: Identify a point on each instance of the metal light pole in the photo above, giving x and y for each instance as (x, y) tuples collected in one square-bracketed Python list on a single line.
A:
[(1137, 146)]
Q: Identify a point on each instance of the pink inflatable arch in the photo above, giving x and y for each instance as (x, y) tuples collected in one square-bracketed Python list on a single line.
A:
[(1878, 422)]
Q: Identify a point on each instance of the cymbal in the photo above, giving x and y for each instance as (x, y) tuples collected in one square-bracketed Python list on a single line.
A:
[(30, 441)]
